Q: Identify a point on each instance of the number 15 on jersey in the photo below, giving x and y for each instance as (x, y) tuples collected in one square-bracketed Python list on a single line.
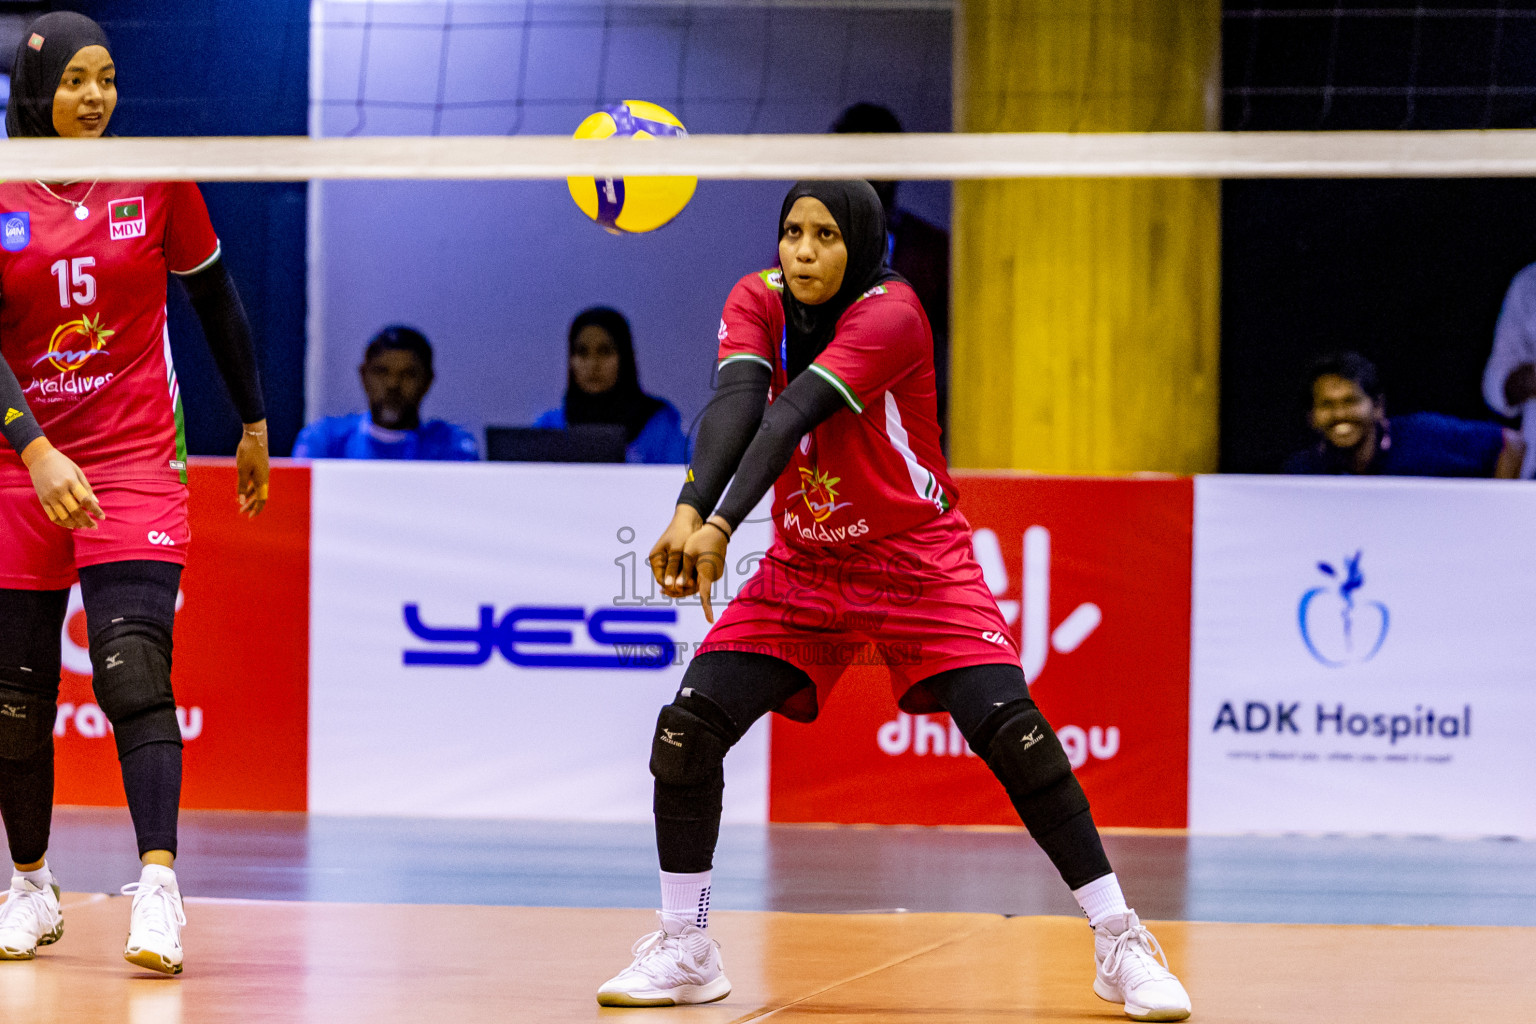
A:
[(75, 281)]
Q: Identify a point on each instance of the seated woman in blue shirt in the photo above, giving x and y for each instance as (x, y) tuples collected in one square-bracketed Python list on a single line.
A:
[(603, 386), (1355, 437)]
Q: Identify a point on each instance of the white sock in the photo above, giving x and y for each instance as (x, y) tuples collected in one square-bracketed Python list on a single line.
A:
[(158, 874), (42, 877), (685, 897), (1101, 898)]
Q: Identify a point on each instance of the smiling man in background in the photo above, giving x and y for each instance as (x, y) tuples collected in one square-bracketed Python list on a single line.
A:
[(1349, 413)]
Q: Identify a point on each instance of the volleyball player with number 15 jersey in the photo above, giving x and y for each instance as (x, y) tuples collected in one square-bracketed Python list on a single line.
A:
[(826, 394), (93, 480)]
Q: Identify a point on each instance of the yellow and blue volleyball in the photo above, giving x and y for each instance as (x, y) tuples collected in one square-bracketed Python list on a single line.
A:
[(632, 205)]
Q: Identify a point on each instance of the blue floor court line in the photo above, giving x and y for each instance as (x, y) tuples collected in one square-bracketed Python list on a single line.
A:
[(1301, 879)]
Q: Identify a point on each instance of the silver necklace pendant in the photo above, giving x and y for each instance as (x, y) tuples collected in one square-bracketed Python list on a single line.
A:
[(81, 212)]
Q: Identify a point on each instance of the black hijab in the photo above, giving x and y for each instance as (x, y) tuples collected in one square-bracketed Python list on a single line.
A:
[(36, 73), (624, 403), (856, 208)]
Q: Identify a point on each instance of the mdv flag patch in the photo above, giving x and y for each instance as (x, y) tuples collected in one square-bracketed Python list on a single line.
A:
[(15, 231), (126, 218)]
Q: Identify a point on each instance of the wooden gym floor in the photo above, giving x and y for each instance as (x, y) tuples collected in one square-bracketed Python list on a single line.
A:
[(380, 964), (410, 946)]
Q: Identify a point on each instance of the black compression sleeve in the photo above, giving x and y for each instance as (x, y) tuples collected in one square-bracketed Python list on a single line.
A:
[(807, 401), (19, 425), (228, 332), (741, 392)]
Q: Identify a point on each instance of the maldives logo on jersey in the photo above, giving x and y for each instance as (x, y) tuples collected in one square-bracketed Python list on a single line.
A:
[(73, 344), (125, 218), (15, 231), (819, 492)]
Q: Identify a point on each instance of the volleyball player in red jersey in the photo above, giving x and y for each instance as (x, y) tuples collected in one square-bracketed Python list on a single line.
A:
[(93, 483), (826, 393)]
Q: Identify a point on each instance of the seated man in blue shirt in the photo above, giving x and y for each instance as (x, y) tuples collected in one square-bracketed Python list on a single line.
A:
[(396, 372), (1349, 414)]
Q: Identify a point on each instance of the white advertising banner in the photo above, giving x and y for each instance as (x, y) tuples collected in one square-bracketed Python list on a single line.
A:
[(1364, 656), (486, 641)]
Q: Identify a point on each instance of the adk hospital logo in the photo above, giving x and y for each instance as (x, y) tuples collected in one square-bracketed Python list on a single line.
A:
[(1339, 625)]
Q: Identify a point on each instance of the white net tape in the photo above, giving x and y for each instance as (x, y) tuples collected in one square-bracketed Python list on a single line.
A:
[(910, 157)]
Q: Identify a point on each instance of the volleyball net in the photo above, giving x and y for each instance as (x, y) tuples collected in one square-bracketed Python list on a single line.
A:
[(413, 228), (891, 157)]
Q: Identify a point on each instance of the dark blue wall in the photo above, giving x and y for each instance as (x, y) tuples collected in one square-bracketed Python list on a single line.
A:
[(227, 67)]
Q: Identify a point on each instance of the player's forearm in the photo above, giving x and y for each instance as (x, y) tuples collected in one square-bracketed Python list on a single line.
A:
[(228, 333), (19, 425), (725, 431), (804, 404)]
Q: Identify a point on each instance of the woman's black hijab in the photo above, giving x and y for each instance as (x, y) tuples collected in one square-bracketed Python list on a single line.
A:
[(856, 208), (624, 403), (36, 73)]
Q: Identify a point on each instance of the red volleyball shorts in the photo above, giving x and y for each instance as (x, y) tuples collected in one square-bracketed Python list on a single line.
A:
[(914, 601), (146, 520)]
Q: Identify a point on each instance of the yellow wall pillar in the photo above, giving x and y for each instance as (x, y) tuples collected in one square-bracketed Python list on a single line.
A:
[(1085, 334)]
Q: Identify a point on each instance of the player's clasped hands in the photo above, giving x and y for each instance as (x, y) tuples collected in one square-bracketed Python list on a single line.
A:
[(689, 557), (666, 555), (61, 487)]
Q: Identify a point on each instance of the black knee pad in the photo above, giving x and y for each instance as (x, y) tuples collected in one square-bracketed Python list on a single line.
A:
[(132, 666), (26, 720), (691, 741), (1028, 760)]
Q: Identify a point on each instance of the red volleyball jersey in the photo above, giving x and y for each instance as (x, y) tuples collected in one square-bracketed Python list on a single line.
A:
[(82, 318), (872, 469)]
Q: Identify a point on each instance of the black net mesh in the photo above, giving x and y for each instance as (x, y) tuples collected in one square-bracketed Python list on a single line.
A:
[(466, 67), (1378, 65)]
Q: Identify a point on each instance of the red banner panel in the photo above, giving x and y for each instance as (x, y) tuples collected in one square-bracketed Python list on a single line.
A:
[(1093, 576), (241, 667)]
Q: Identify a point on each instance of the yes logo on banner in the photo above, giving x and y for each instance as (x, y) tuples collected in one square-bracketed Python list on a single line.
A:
[(520, 631), (527, 647), (1338, 624)]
